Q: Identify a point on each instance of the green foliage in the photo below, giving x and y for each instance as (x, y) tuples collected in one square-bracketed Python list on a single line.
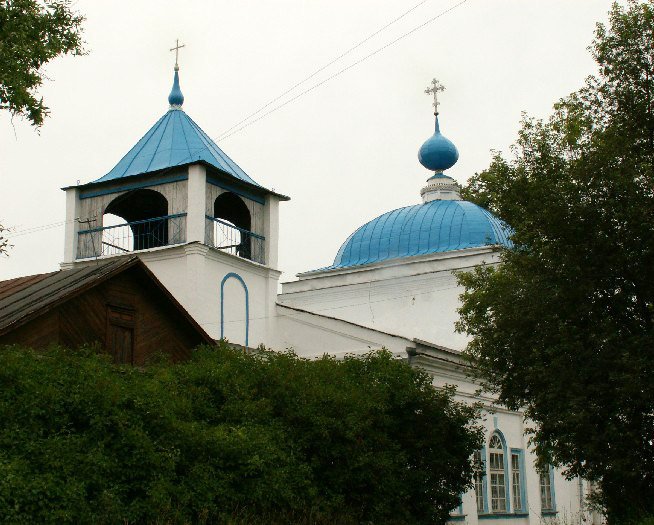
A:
[(564, 327), (228, 438), (32, 33), (4, 242)]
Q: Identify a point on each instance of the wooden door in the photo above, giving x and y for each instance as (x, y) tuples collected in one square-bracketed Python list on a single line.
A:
[(120, 334)]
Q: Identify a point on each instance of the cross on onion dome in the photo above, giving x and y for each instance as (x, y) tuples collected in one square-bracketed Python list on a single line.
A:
[(436, 87), (176, 50)]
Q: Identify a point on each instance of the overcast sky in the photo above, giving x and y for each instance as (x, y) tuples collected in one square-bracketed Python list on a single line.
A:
[(344, 152)]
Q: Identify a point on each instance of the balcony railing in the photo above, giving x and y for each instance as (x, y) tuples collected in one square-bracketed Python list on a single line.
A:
[(132, 236), (229, 238)]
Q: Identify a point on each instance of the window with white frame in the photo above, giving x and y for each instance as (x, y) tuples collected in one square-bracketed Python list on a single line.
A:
[(516, 481), (546, 489), (479, 481), (497, 474)]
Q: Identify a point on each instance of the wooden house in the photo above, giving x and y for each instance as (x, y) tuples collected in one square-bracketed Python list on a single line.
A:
[(119, 305)]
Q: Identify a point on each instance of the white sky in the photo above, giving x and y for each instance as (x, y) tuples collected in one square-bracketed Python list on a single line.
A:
[(345, 152)]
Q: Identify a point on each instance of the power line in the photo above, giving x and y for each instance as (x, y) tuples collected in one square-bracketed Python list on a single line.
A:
[(11, 232), (320, 69), (44, 227), (347, 68)]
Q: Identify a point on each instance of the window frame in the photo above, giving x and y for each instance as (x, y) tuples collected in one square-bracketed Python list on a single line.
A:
[(505, 470), (484, 483), (523, 478), (550, 477)]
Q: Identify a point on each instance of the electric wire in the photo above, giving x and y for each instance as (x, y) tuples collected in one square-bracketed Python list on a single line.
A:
[(345, 69), (10, 232), (322, 68)]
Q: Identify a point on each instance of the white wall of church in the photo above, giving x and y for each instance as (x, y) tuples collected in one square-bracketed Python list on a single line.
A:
[(309, 335), (213, 287), (568, 508), (417, 299)]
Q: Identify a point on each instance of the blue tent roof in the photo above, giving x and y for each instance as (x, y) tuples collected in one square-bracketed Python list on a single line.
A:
[(174, 140), (437, 226)]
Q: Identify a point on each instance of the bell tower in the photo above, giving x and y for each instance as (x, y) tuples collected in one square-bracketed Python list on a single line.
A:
[(202, 225)]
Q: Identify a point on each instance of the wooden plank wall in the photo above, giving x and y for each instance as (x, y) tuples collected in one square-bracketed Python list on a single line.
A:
[(256, 209), (82, 320)]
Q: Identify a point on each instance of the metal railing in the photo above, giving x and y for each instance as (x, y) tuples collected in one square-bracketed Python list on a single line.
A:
[(132, 236), (229, 238)]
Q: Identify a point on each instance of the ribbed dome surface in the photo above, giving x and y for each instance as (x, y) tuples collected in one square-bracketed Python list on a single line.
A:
[(437, 226)]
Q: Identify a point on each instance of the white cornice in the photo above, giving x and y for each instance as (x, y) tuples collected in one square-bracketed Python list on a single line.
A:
[(393, 269)]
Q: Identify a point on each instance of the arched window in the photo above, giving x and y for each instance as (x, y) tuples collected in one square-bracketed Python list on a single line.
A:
[(232, 230), (142, 210), (497, 474)]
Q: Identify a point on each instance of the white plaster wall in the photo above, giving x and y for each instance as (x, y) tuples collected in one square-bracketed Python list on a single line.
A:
[(311, 335), (566, 492), (414, 298), (421, 306), (193, 273)]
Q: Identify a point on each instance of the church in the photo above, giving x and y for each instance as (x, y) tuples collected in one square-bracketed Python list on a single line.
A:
[(209, 233)]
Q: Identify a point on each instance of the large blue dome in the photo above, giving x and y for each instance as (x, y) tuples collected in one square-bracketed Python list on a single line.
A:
[(438, 153), (437, 226)]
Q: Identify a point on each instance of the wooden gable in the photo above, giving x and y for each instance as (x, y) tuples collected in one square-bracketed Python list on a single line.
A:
[(120, 306)]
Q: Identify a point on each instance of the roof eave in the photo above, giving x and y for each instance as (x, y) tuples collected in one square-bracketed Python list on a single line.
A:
[(142, 176)]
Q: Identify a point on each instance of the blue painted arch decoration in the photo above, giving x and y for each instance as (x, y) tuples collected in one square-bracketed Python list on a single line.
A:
[(232, 275), (436, 226)]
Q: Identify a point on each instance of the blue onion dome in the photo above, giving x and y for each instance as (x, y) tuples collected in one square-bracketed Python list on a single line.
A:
[(432, 227), (176, 99), (438, 153)]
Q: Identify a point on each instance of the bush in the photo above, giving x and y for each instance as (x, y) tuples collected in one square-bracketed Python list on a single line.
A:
[(227, 438)]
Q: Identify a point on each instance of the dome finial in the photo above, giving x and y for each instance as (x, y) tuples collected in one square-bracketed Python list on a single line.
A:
[(437, 153), (436, 87), (176, 99)]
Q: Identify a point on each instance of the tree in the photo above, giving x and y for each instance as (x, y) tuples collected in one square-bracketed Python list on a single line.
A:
[(4, 242), (32, 33), (228, 437), (564, 326)]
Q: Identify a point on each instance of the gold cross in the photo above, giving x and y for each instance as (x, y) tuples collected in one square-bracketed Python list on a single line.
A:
[(176, 50)]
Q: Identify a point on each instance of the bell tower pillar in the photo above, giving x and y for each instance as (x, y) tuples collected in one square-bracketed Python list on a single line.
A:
[(197, 197)]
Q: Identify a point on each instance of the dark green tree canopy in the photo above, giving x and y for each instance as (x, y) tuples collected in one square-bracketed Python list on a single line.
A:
[(32, 33), (228, 438), (564, 327)]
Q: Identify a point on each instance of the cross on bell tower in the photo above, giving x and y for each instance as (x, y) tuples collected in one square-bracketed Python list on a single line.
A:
[(436, 87), (176, 50)]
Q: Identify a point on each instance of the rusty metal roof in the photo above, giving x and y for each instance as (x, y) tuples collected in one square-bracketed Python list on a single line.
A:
[(27, 297)]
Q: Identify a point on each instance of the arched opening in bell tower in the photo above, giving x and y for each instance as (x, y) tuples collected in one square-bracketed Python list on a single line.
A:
[(135, 221), (232, 230)]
